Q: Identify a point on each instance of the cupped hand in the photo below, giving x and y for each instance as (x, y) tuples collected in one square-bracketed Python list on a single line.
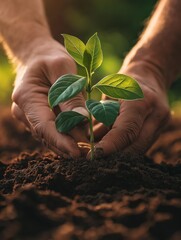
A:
[(139, 122), (30, 99)]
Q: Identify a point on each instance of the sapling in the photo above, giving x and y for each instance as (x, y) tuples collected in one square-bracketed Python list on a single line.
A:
[(116, 86)]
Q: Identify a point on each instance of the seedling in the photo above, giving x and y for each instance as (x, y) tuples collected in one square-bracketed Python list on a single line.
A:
[(116, 86)]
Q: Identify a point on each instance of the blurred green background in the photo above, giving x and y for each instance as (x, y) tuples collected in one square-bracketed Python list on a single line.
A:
[(118, 23)]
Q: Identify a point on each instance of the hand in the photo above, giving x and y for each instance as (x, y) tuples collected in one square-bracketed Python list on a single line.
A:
[(30, 97), (141, 121)]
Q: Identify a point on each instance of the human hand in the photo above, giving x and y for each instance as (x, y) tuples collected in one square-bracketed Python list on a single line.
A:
[(141, 121), (30, 98)]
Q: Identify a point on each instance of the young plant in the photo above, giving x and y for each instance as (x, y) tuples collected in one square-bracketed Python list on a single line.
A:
[(116, 86)]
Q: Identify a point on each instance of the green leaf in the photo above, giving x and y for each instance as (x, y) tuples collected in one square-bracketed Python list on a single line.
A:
[(93, 47), (120, 86), (66, 87), (65, 121), (104, 111), (75, 47), (87, 61)]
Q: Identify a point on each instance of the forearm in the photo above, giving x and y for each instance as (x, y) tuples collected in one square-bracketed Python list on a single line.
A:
[(159, 47), (23, 27)]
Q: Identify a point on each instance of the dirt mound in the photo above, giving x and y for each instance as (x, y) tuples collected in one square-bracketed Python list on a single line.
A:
[(43, 196)]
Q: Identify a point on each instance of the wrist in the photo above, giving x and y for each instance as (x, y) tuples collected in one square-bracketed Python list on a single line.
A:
[(145, 73), (35, 40), (149, 79), (142, 59), (43, 48), (48, 57)]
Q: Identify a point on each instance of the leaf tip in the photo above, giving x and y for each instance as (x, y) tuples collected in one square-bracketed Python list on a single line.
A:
[(63, 35), (141, 94), (51, 105)]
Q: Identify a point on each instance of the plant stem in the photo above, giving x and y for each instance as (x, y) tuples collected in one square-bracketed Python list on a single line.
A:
[(91, 136), (89, 78)]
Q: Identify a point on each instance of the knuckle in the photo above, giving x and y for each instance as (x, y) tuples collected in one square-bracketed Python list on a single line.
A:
[(67, 61), (149, 103), (131, 132), (129, 135), (60, 65), (21, 90), (41, 131), (151, 98), (143, 108), (19, 96), (16, 95), (15, 111), (40, 128)]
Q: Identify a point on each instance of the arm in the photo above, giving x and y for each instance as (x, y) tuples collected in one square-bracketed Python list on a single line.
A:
[(159, 47), (41, 60), (19, 21), (155, 62)]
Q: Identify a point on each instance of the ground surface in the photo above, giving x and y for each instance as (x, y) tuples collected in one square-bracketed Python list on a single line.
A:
[(43, 197)]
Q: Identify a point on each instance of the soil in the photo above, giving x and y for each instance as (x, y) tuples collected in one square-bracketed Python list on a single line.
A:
[(43, 196)]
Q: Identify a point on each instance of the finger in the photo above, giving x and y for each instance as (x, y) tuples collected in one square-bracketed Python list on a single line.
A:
[(19, 115), (100, 130), (60, 153), (42, 121), (46, 129), (151, 130), (126, 128), (79, 133)]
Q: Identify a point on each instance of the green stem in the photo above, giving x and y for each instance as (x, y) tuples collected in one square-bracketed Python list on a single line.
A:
[(89, 78), (91, 136)]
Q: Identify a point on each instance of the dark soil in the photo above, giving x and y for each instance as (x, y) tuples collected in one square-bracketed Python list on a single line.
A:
[(43, 196)]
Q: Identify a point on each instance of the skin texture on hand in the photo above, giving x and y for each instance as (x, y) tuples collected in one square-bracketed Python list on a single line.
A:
[(155, 63), (30, 98), (140, 122), (40, 60)]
